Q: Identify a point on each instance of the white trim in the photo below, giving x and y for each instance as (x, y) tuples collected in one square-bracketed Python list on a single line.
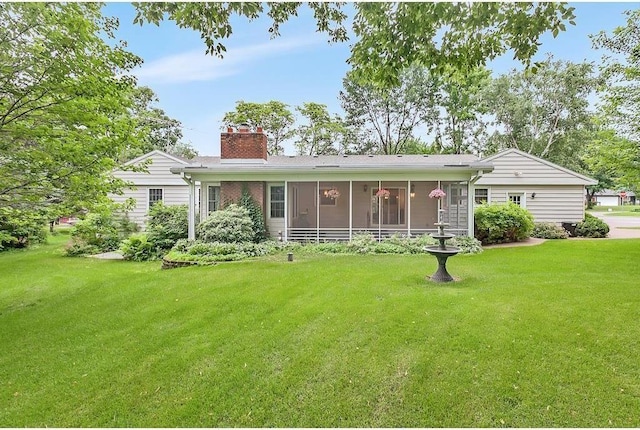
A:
[(191, 235), (350, 210), (155, 152), (523, 197), (286, 209), (268, 208)]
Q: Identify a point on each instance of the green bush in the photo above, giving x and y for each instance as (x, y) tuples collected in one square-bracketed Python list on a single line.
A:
[(467, 244), (260, 232), (138, 248), (501, 223), (229, 225), (592, 226), (549, 230), (167, 224), (362, 243), (208, 252), (19, 228), (98, 231)]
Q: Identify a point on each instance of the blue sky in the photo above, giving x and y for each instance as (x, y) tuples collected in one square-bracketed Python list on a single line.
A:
[(299, 66)]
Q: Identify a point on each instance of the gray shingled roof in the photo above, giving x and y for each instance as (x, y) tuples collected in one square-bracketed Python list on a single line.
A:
[(352, 160)]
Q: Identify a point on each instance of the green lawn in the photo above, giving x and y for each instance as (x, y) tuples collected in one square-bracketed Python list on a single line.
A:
[(543, 336), (627, 210)]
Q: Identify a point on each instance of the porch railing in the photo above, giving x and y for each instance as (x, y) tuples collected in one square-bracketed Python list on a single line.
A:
[(342, 234)]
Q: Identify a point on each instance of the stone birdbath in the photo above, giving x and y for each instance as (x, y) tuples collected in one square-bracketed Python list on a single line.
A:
[(442, 252)]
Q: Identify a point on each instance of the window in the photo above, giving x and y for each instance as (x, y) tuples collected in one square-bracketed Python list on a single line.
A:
[(213, 199), (481, 195), (155, 195), (517, 198), (277, 202)]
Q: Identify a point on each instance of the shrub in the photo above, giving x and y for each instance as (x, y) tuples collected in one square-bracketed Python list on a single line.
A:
[(255, 213), (500, 223), (19, 228), (167, 224), (77, 248), (229, 225), (138, 248), (592, 226), (97, 230), (208, 252), (362, 243), (548, 230), (467, 244)]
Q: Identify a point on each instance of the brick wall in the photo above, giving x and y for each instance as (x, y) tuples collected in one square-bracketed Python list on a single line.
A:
[(230, 192), (243, 144)]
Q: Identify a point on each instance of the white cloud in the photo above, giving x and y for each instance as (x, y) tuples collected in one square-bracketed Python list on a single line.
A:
[(195, 65)]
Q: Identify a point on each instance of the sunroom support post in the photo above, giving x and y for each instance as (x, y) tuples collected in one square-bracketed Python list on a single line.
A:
[(350, 210), (317, 211), (408, 208), (471, 200), (379, 212), (191, 227), (286, 211)]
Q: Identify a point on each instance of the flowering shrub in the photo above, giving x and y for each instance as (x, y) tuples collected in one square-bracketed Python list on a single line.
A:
[(383, 193), (437, 194)]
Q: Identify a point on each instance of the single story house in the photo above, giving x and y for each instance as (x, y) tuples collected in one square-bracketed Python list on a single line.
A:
[(614, 198), (336, 196)]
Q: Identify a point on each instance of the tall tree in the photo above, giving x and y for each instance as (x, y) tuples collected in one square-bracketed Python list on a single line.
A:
[(321, 134), (614, 161), (460, 128), (64, 106), (390, 36), (274, 117), (544, 113), (387, 118), (157, 129), (621, 72)]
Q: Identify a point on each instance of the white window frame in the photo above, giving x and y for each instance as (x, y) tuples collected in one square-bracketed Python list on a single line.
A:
[(521, 194), (488, 195), (284, 201), (374, 202), (149, 204), (209, 187)]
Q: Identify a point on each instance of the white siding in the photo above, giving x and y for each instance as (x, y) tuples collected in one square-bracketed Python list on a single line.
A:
[(555, 204), (175, 190), (559, 193), (513, 168)]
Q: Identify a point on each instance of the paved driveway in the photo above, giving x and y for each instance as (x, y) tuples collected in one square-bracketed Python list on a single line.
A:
[(619, 225)]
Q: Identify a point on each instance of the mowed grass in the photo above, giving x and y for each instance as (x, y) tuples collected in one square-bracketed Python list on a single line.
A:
[(626, 210), (543, 336)]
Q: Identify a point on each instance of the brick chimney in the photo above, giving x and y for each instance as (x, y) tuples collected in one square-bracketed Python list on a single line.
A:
[(243, 144)]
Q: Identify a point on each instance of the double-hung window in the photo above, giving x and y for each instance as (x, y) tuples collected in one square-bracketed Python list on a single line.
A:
[(155, 196), (276, 198), (481, 195), (213, 198)]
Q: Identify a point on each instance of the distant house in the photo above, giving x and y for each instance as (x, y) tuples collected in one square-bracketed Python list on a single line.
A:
[(614, 198), (154, 185), (334, 197), (550, 192)]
